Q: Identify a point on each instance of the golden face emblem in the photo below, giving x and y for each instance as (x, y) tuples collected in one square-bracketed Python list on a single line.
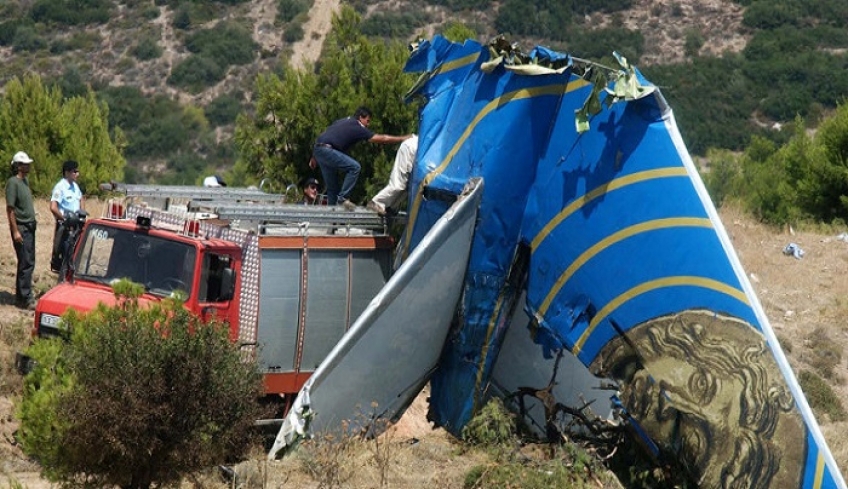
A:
[(707, 390)]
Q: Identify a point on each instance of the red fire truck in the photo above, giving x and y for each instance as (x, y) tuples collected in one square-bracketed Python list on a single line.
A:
[(289, 279)]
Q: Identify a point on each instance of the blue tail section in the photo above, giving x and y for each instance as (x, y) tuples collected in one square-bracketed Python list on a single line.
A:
[(630, 268)]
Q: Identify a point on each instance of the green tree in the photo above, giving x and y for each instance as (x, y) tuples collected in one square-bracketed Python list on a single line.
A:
[(227, 43), (458, 32), (196, 73), (825, 188), (138, 396), (287, 10), (275, 142), (36, 119), (724, 176), (224, 109), (84, 127), (146, 49)]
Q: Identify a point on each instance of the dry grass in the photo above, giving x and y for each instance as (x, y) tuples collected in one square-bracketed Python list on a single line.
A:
[(805, 300)]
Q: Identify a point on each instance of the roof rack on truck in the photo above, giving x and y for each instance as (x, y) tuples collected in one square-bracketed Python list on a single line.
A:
[(248, 209), (300, 219), (191, 192)]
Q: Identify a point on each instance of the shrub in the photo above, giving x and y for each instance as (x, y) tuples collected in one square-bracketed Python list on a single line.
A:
[(785, 343), (770, 15), (146, 49), (545, 18), (223, 110), (724, 176), (8, 29), (693, 42), (287, 10), (545, 474), (600, 43), (825, 354), (71, 83), (76, 12), (821, 396), (138, 396), (293, 33), (394, 24), (182, 18), (154, 125), (27, 39), (150, 13), (196, 73), (226, 44), (493, 425)]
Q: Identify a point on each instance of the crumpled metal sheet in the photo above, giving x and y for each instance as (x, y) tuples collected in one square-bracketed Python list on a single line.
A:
[(630, 267)]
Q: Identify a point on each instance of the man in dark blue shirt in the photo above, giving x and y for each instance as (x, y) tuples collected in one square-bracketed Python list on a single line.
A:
[(331, 154)]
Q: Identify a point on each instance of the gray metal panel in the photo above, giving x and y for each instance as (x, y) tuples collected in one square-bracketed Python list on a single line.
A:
[(520, 363), (327, 315), (386, 358), (279, 309), (371, 271), (334, 218)]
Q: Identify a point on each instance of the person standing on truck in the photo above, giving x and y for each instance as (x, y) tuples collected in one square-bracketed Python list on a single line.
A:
[(398, 179), (21, 214), (65, 200), (310, 192), (331, 154)]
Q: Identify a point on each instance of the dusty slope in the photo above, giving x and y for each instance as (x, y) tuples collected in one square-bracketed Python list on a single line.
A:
[(799, 295)]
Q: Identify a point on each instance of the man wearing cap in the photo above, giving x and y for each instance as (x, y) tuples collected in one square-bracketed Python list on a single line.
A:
[(21, 214), (65, 200), (310, 192)]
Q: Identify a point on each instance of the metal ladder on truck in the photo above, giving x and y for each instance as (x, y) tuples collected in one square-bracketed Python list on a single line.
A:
[(252, 210)]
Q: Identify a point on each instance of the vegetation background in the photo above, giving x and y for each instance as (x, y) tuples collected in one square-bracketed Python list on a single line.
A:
[(177, 74), (169, 91)]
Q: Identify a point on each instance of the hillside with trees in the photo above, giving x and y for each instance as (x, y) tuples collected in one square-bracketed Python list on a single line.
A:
[(178, 90), (176, 74)]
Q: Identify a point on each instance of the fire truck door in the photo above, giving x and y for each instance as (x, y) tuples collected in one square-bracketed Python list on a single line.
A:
[(216, 290)]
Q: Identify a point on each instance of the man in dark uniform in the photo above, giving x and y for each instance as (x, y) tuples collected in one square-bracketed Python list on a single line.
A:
[(331, 154), (21, 214)]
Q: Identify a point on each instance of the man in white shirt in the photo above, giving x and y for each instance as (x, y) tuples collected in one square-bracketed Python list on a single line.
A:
[(398, 179), (213, 181)]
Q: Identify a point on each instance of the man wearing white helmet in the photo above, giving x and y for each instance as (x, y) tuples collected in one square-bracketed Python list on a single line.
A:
[(21, 214)]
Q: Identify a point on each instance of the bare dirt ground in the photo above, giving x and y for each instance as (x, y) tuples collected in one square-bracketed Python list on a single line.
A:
[(307, 50), (800, 296)]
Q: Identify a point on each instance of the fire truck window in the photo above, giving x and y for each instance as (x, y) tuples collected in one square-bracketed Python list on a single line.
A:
[(125, 261), (171, 268), (212, 278), (94, 258)]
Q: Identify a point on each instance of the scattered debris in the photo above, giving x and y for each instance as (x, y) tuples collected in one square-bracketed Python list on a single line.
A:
[(794, 250)]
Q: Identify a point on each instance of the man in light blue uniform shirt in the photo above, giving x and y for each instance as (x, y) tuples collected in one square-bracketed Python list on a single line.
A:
[(65, 199)]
